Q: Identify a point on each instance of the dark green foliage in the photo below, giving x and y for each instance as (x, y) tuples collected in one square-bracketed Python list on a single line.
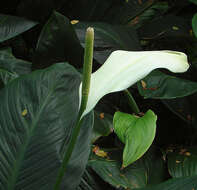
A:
[(38, 108)]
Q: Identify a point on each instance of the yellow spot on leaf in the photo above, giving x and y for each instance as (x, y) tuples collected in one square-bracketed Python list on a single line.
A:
[(102, 115), (74, 21), (143, 84), (110, 175), (24, 113), (99, 152), (175, 28), (178, 161), (187, 154)]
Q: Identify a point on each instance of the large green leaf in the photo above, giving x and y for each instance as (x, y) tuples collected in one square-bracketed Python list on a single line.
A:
[(58, 42), (38, 112), (108, 38), (136, 132), (163, 86), (183, 163), (184, 183), (11, 26)]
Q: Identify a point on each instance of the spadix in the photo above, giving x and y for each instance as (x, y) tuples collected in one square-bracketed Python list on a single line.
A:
[(124, 68)]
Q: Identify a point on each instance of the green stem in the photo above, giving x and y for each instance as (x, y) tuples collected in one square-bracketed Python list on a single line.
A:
[(87, 70), (134, 107)]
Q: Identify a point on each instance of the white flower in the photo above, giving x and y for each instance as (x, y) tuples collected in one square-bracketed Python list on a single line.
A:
[(124, 68)]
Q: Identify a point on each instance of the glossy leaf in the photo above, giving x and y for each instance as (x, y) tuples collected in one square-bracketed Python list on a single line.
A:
[(38, 112), (103, 125), (163, 86), (58, 42), (183, 163), (108, 38), (11, 26), (137, 133)]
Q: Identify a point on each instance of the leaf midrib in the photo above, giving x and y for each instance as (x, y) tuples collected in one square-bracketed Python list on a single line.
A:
[(12, 182)]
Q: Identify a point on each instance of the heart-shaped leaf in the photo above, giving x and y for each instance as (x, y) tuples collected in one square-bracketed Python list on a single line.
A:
[(136, 132)]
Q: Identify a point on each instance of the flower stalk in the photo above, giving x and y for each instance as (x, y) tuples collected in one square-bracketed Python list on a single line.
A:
[(86, 78), (132, 103)]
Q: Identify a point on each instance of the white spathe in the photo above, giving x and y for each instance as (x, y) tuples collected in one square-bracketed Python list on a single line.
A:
[(124, 68)]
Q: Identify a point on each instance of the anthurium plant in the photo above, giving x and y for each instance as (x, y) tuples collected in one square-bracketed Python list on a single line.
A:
[(75, 111)]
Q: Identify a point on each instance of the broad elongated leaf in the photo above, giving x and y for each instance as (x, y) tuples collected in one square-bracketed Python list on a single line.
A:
[(58, 42), (37, 114), (108, 38), (137, 134), (162, 86), (183, 163), (10, 67), (11, 26), (183, 183)]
